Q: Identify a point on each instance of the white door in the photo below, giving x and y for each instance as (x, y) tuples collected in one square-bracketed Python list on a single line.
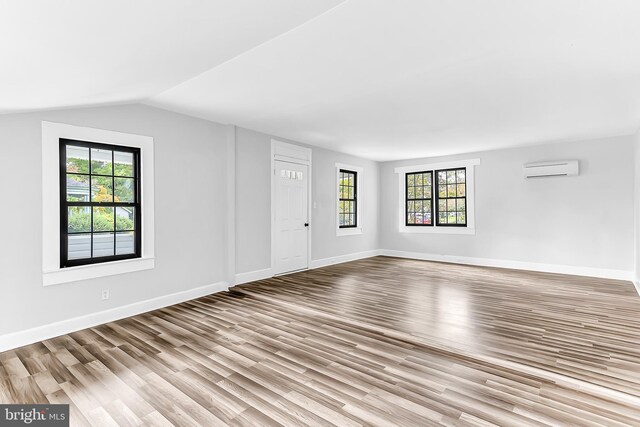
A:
[(292, 219)]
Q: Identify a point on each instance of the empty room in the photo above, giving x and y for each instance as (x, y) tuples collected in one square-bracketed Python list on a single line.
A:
[(320, 213)]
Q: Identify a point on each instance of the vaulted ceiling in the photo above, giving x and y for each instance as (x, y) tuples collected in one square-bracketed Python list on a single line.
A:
[(380, 79)]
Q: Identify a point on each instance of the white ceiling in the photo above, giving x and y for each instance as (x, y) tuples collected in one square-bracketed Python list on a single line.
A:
[(380, 79), (64, 53)]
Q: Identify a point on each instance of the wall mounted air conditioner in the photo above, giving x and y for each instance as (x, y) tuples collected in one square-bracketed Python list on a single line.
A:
[(555, 168)]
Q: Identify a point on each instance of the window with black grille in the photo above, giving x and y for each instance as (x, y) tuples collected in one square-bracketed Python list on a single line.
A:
[(452, 197), (419, 197), (347, 199), (100, 210)]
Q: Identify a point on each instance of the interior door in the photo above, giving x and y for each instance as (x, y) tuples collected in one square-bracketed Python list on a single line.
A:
[(291, 217)]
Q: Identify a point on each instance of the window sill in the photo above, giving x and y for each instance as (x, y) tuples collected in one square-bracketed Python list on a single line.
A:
[(93, 271), (348, 231), (438, 230)]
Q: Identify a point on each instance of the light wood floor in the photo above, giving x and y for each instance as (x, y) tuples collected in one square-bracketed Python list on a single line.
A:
[(381, 341)]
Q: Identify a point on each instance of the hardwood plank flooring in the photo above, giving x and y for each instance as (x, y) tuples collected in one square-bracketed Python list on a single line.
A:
[(381, 341)]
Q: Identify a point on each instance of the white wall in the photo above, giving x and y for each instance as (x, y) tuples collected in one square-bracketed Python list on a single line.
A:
[(325, 243), (190, 215), (580, 221), (253, 203), (637, 209)]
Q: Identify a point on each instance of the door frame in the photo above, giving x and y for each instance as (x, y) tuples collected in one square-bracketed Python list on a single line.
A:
[(286, 152)]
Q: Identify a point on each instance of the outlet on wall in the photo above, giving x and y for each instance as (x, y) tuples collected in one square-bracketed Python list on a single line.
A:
[(105, 294)]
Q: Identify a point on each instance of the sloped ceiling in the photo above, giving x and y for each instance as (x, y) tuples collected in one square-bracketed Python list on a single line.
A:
[(379, 79), (68, 53)]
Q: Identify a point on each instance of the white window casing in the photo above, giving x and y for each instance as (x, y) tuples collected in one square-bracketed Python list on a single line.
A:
[(52, 274), (470, 165)]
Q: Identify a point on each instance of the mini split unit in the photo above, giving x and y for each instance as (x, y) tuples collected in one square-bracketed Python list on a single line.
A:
[(556, 168)]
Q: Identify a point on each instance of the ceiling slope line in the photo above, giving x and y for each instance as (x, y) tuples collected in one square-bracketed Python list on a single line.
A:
[(246, 52)]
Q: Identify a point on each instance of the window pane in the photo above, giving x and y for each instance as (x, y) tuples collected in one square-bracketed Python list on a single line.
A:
[(442, 217), (419, 179), (77, 188), (442, 177), (442, 191), (427, 179), (350, 196), (451, 191), (461, 175), (79, 246), (461, 190), (411, 207), (101, 161), (125, 218), (412, 218), (410, 179), (79, 219), (442, 205), (102, 219), (451, 177), (125, 243), (427, 192), (411, 193), (103, 244), (461, 205), (419, 192), (426, 210), (77, 159), (123, 164), (124, 191), (101, 189), (451, 217), (451, 204), (462, 218)]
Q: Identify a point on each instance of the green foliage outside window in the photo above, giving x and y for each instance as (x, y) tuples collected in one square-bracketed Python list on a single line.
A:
[(80, 221)]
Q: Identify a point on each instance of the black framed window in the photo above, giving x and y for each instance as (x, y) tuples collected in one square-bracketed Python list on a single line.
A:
[(419, 197), (451, 196), (100, 210), (347, 199)]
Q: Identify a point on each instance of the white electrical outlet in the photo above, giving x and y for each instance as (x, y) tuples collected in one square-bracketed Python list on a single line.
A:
[(105, 294)]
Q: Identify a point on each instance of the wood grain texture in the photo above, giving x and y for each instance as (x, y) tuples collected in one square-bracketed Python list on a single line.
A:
[(381, 341)]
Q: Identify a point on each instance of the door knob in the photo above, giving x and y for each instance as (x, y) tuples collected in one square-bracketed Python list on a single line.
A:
[(306, 224)]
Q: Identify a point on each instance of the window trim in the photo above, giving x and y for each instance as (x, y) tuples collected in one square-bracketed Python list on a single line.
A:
[(52, 274), (64, 204), (469, 164), (349, 231)]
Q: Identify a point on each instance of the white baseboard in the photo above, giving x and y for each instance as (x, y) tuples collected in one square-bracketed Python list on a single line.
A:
[(40, 333), (252, 276), (517, 265), (343, 258)]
